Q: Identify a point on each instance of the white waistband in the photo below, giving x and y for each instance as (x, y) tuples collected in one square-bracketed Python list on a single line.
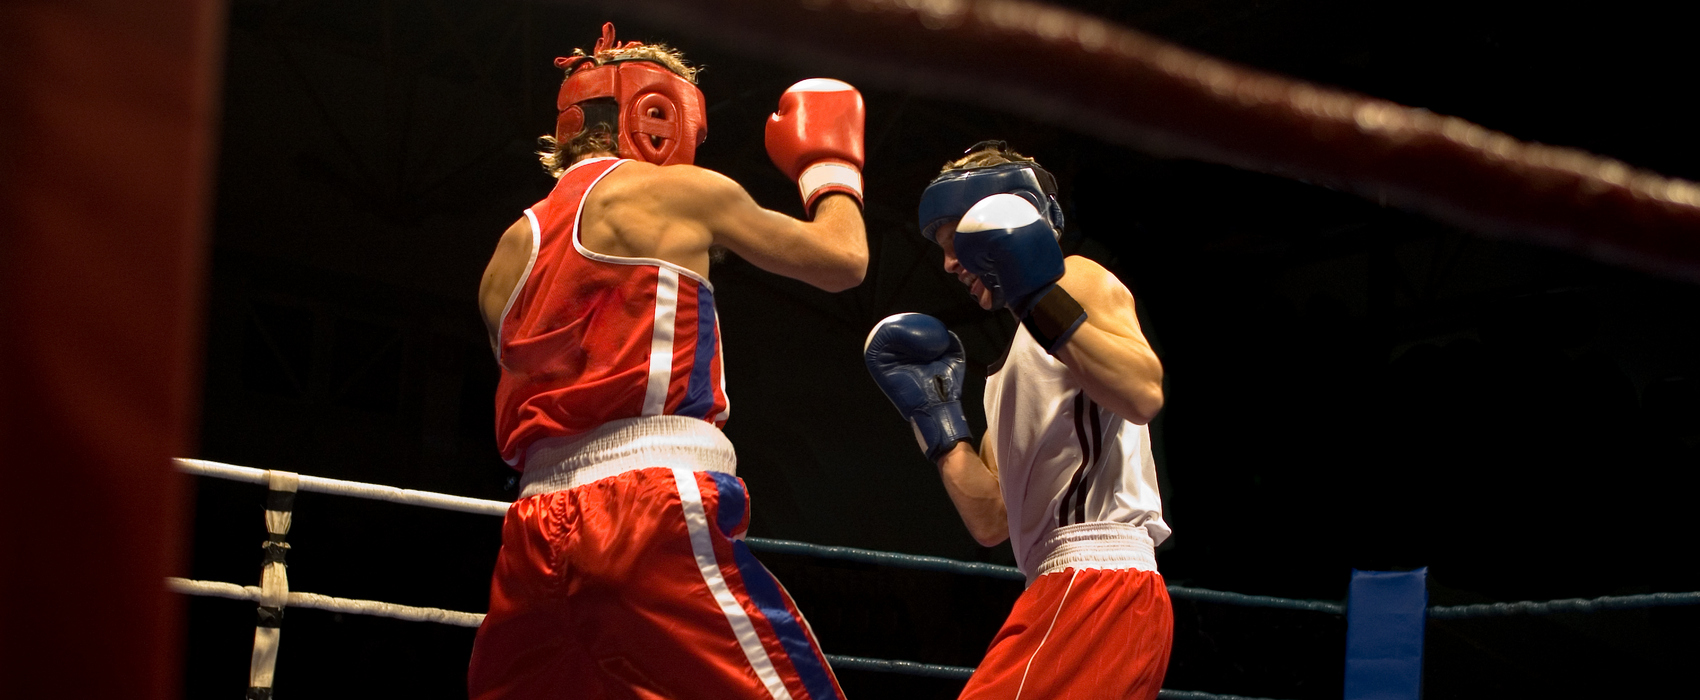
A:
[(1093, 546), (616, 447)]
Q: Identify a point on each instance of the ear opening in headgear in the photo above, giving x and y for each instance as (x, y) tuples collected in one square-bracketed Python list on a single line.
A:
[(601, 114)]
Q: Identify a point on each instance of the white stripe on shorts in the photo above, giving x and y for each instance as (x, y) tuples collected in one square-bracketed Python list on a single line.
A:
[(696, 520)]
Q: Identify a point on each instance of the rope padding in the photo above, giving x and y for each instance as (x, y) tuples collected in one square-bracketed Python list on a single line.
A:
[(297, 599), (338, 487)]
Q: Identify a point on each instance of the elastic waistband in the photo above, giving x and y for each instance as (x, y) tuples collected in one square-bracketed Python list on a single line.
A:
[(616, 447), (1094, 546)]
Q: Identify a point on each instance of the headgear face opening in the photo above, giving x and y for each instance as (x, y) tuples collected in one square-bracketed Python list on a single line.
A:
[(658, 115), (952, 193)]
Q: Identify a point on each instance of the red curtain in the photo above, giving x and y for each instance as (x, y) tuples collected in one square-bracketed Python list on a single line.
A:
[(107, 110)]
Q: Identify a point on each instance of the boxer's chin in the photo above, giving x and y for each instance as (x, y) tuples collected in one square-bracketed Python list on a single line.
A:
[(981, 295)]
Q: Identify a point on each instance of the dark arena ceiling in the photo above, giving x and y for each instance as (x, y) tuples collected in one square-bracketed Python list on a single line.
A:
[(1349, 385)]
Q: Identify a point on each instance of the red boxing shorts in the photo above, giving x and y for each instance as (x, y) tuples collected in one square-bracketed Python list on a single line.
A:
[(633, 586), (1081, 634)]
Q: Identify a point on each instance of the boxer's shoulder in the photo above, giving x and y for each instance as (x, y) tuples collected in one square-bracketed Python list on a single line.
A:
[(1083, 275), (1095, 287), (686, 186)]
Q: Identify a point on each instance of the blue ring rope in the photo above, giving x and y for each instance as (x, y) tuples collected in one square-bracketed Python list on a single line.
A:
[(1566, 605), (1166, 694), (961, 673), (1439, 612), (874, 556), (908, 668), (1010, 573)]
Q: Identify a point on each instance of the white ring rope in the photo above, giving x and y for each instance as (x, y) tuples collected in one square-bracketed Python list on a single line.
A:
[(297, 599), (318, 484)]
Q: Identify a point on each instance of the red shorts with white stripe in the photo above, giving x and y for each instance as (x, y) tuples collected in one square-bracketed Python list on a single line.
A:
[(1081, 634), (633, 586)]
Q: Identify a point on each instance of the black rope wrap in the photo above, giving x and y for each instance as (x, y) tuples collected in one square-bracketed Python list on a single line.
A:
[(276, 551), (281, 501), (269, 617)]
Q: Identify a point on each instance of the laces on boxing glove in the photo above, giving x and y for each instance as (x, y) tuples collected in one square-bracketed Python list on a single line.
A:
[(920, 365)]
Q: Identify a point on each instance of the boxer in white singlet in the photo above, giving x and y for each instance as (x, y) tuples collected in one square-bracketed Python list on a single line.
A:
[(1065, 471)]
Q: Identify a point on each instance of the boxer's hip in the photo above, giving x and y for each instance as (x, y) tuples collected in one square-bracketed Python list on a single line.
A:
[(1097, 545), (617, 447)]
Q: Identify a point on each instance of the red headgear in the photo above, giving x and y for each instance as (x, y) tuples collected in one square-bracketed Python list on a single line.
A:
[(659, 117)]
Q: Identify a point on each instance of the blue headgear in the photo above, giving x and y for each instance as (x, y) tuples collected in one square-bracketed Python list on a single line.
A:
[(951, 194)]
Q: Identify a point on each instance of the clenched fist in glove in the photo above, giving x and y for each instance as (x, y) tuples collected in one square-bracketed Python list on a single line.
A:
[(919, 364), (1007, 243), (816, 139)]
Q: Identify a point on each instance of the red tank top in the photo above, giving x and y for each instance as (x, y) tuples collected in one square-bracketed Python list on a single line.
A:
[(588, 338)]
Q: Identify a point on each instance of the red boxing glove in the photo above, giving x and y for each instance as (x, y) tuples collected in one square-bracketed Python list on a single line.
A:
[(816, 139)]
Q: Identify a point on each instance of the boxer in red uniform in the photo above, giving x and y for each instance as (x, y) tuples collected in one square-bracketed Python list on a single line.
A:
[(623, 573), (1065, 471)]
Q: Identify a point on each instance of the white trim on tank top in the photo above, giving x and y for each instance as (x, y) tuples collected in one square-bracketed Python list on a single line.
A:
[(536, 242), (616, 259)]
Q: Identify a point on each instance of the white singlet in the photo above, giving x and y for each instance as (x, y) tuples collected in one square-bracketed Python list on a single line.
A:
[(1079, 482)]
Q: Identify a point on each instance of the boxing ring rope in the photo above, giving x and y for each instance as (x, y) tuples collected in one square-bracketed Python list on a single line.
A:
[(1122, 85), (278, 596), (297, 599), (1564, 605), (356, 489)]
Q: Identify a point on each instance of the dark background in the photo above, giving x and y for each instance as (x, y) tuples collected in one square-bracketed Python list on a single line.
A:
[(1348, 385)]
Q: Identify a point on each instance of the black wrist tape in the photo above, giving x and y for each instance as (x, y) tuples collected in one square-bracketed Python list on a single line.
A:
[(1054, 319)]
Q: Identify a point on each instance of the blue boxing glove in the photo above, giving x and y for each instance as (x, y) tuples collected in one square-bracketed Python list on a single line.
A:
[(1011, 247), (919, 365)]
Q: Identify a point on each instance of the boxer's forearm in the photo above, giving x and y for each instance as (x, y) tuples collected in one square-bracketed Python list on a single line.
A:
[(842, 235), (830, 252), (974, 489)]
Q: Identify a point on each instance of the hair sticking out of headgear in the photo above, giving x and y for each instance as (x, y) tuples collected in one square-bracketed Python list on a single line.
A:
[(988, 168), (994, 152), (608, 49)]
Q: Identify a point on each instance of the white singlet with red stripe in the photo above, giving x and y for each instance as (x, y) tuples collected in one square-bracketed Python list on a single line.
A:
[(1079, 482)]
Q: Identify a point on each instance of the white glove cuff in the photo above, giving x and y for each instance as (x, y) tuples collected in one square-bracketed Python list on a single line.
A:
[(827, 174)]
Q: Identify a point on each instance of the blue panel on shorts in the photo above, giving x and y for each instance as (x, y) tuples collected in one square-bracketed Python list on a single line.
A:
[(799, 644), (729, 508)]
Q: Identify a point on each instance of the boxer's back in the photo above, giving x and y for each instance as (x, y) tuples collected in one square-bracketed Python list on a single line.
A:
[(588, 336)]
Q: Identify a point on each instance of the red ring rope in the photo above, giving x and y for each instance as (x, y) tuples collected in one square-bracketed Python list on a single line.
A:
[(1126, 86)]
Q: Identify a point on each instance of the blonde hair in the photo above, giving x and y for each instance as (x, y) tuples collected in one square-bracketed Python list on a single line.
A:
[(986, 154), (556, 156)]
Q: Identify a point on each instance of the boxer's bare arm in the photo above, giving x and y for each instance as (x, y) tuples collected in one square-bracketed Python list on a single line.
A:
[(972, 482), (513, 251), (1109, 354), (830, 252)]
